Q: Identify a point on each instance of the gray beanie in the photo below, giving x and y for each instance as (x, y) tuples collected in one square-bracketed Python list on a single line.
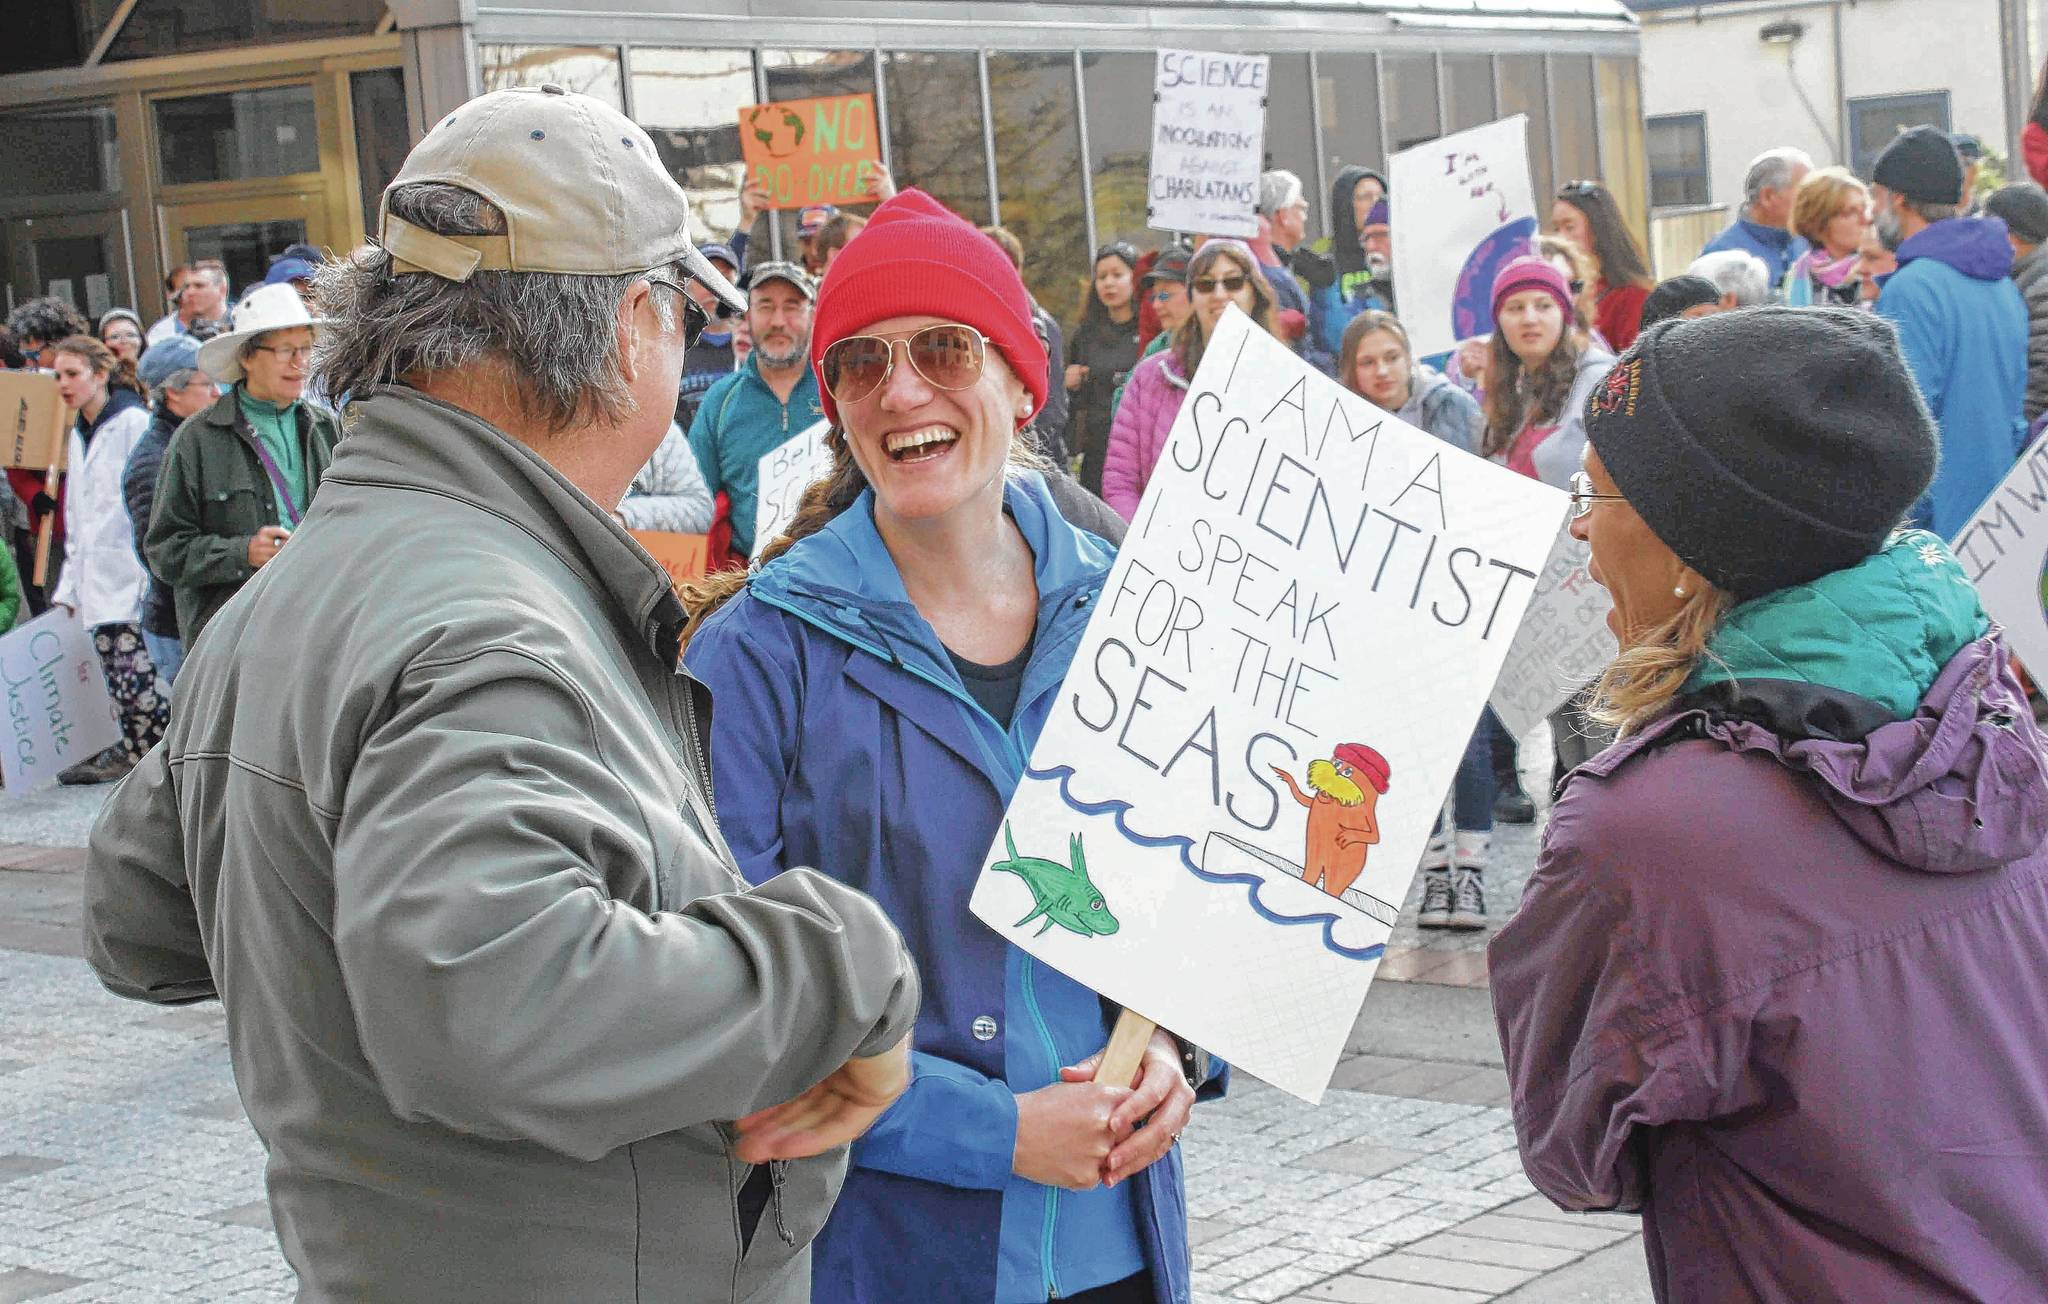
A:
[(1766, 446), (2023, 207)]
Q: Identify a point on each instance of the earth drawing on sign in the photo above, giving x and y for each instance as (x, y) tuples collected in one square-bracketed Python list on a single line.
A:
[(778, 129), (1063, 894)]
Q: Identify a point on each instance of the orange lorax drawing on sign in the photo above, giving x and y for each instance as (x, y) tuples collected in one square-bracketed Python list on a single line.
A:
[(1342, 823)]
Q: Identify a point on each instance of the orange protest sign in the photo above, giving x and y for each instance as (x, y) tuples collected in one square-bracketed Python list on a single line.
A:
[(681, 555), (819, 151)]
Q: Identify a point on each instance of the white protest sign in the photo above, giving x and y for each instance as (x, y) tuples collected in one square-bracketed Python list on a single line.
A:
[(785, 473), (1563, 644), (1208, 142), (1245, 763), (1470, 210), (58, 710), (2004, 550)]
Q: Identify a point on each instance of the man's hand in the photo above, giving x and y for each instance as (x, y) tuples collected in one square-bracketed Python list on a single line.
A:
[(754, 200), (263, 544), (830, 1114), (1163, 1101), (1077, 375), (1064, 1133)]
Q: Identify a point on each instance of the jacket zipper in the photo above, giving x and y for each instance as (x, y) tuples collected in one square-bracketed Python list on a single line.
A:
[(1027, 970)]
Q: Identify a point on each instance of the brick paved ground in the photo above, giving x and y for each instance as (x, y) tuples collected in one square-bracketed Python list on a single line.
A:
[(127, 1172)]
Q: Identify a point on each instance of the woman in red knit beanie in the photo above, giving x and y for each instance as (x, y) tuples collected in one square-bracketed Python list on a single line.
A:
[(879, 679)]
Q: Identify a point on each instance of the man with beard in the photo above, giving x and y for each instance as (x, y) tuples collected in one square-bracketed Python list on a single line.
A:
[(771, 398), (1962, 324), (1342, 820)]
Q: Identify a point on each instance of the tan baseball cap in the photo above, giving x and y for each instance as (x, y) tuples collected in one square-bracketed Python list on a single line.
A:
[(581, 187)]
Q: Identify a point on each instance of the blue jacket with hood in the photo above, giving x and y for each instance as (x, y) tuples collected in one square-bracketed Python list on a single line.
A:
[(844, 739), (1963, 329)]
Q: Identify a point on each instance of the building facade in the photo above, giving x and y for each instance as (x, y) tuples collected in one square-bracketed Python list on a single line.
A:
[(170, 129)]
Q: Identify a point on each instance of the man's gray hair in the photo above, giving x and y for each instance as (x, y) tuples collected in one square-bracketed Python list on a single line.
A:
[(552, 337), (1772, 170), (1277, 189), (1734, 272)]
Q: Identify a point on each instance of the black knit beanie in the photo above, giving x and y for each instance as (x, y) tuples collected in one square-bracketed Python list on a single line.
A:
[(1766, 446), (1922, 165)]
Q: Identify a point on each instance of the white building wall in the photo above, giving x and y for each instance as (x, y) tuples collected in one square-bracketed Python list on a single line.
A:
[(1715, 63)]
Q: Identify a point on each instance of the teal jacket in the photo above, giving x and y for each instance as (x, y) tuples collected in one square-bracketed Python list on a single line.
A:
[(739, 422)]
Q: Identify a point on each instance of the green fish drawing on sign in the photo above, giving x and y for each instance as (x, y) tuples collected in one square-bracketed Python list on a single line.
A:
[(1063, 893)]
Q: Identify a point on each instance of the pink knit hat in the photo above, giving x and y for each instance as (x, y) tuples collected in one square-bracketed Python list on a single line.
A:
[(1531, 273), (917, 258)]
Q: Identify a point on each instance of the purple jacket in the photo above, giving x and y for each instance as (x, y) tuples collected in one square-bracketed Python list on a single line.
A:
[(1789, 998), (1152, 399)]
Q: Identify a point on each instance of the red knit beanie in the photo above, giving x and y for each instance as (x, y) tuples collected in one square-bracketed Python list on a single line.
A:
[(1532, 273), (917, 258)]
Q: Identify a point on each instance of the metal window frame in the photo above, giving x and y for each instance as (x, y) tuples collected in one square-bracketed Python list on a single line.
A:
[(1087, 159), (1705, 172), (988, 138)]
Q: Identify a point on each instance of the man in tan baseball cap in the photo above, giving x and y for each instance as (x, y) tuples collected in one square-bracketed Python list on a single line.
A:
[(433, 818)]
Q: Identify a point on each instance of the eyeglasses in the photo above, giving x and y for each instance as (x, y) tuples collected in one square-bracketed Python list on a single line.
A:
[(284, 352), (1228, 284), (694, 318), (946, 356), (1583, 496)]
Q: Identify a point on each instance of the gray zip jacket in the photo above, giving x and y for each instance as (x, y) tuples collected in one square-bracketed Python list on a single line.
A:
[(432, 820)]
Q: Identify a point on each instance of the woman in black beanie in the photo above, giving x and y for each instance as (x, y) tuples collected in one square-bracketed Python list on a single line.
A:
[(1776, 981)]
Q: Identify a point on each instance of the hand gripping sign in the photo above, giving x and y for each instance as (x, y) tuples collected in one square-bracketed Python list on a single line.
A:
[(1246, 760)]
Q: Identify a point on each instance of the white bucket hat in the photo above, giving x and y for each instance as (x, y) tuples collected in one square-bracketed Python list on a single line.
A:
[(268, 308)]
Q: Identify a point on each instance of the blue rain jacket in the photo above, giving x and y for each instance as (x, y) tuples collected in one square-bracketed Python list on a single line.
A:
[(899, 791)]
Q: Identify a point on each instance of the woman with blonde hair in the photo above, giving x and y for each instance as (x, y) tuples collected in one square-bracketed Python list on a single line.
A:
[(880, 678), (1783, 942), (1831, 211), (1222, 273)]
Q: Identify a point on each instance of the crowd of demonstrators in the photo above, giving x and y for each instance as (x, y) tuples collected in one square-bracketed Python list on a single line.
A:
[(1764, 226), (121, 331), (1100, 355), (1585, 213), (38, 326), (178, 390), (771, 397), (1961, 323), (2023, 207), (1742, 278), (832, 237), (1682, 296), (1164, 295), (441, 837), (711, 358), (174, 299), (1360, 245), (935, 538), (1782, 944), (1222, 273), (103, 580), (1831, 212), (199, 302), (1047, 431), (1282, 219), (241, 473)]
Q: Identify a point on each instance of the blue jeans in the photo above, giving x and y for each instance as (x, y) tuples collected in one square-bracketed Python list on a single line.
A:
[(169, 654), (1473, 792)]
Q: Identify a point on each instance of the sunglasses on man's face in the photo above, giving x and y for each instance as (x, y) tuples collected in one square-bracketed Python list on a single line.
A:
[(945, 356), (695, 319), (1228, 284)]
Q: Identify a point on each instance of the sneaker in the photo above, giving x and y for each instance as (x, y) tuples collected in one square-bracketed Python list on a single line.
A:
[(1513, 806), (1438, 854), (1436, 899), (1471, 848), (106, 767), (1468, 908)]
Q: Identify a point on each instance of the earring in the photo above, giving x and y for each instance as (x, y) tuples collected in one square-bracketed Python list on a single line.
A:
[(1678, 590)]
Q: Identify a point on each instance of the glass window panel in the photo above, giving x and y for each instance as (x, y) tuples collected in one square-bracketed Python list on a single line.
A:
[(1521, 91), (690, 101), (235, 135), (1468, 90), (181, 26), (1119, 95), (809, 74), (69, 150), (1571, 97), (1291, 131), (1348, 88), (1874, 121), (591, 70), (935, 140), (52, 35), (1677, 148), (377, 103), (1411, 99), (1031, 98)]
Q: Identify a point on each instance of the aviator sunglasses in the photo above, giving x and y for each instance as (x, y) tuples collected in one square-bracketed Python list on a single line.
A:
[(946, 356)]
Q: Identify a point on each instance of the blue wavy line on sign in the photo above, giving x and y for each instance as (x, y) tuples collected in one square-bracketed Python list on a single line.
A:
[(1252, 883)]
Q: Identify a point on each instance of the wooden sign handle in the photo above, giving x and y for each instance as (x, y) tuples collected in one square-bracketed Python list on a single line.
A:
[(1126, 1050), (45, 530)]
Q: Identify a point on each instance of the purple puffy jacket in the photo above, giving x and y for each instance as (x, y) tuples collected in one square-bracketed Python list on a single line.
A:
[(1152, 399)]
